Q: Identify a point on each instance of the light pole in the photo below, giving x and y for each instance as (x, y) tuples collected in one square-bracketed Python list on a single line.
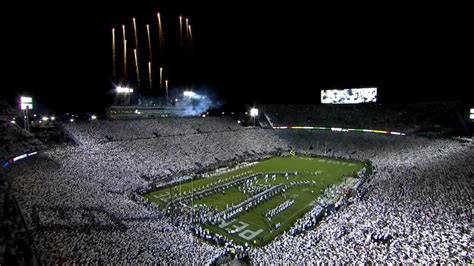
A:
[(254, 114), (26, 103)]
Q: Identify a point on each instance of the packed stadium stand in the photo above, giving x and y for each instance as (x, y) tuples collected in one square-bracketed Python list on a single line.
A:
[(16, 245), (16, 141), (406, 118), (82, 204), (120, 130)]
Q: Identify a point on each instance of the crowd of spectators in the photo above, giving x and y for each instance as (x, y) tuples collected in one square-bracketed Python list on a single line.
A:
[(416, 208), (392, 117)]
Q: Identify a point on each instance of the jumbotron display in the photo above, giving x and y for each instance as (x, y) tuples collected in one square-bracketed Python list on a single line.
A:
[(349, 96)]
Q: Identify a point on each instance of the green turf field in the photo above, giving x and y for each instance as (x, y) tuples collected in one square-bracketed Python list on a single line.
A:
[(252, 226)]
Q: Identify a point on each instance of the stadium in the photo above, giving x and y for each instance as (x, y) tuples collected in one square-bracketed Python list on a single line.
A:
[(170, 177)]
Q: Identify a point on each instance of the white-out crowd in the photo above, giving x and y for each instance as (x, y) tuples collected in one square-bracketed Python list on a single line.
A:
[(419, 201), (396, 117)]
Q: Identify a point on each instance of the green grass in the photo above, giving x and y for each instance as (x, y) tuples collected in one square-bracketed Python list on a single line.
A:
[(332, 172)]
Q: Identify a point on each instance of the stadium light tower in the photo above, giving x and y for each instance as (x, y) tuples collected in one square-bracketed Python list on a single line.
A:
[(26, 104), (124, 94), (123, 90), (254, 114)]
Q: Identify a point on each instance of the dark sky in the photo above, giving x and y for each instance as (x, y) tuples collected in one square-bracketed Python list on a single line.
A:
[(61, 53)]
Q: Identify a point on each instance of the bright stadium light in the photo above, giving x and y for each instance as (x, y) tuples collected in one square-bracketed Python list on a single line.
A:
[(471, 115), (53, 118), (25, 106), (24, 99), (26, 103), (71, 120), (253, 112), (93, 117), (189, 94), (45, 118), (123, 90)]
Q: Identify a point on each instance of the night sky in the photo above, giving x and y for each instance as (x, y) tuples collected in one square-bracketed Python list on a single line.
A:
[(243, 53)]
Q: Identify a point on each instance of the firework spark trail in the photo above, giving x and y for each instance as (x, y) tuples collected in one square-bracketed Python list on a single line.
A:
[(114, 64), (166, 87), (181, 31), (160, 31), (135, 33), (187, 33), (149, 41), (161, 77), (124, 53), (136, 67), (149, 75), (125, 59), (190, 33)]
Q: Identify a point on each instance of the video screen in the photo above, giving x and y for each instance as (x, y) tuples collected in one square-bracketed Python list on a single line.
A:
[(349, 96)]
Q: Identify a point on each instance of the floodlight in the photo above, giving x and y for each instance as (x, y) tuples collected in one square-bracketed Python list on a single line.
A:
[(93, 117), (123, 90), (24, 99), (25, 106), (254, 112), (189, 94), (45, 118)]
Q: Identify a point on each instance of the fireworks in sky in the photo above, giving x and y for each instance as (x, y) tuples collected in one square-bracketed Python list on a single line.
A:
[(124, 53), (135, 33), (145, 63), (161, 39), (136, 67), (114, 64), (150, 76), (190, 34), (161, 77), (181, 31), (149, 41)]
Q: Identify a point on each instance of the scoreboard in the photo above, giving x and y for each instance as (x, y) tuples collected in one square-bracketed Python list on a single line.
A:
[(349, 96)]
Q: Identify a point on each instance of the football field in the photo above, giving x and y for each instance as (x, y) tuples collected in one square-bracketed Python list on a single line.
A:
[(278, 190)]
